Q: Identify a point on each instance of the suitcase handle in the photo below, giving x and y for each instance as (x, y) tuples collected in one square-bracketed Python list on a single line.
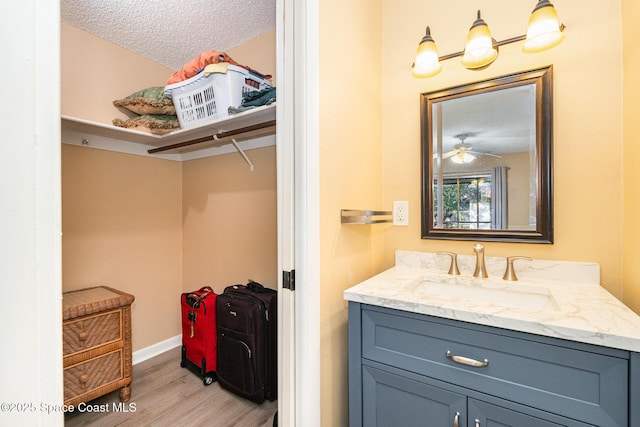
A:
[(255, 286), (197, 297)]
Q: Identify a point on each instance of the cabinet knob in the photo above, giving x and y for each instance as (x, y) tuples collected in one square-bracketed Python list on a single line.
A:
[(83, 380), (83, 336)]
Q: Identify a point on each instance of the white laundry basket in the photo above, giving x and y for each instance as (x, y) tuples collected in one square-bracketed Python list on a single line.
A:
[(204, 98)]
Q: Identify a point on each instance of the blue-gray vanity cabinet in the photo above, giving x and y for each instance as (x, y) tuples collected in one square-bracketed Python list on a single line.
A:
[(399, 370), (392, 399), (395, 400)]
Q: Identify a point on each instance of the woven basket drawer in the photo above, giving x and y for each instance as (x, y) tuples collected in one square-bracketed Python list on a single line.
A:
[(92, 374), (89, 332)]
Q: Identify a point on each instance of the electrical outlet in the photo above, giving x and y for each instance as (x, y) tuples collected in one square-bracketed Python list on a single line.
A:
[(401, 213)]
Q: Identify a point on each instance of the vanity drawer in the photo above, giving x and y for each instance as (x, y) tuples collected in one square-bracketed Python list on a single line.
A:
[(521, 368), (86, 377), (92, 331)]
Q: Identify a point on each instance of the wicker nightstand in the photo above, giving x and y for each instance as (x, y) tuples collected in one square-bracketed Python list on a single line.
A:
[(96, 343)]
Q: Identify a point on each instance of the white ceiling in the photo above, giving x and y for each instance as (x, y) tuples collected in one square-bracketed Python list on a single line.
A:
[(171, 32), (501, 121)]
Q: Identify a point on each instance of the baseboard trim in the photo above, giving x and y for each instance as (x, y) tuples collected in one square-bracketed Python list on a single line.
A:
[(156, 349)]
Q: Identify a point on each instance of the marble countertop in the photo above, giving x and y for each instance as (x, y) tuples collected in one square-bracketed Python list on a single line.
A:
[(582, 310)]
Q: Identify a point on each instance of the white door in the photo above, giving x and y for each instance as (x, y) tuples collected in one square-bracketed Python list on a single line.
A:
[(298, 212), (285, 119), (30, 218)]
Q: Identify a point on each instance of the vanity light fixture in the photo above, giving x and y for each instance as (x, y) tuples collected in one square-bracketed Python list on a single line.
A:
[(543, 32), (426, 64), (478, 50)]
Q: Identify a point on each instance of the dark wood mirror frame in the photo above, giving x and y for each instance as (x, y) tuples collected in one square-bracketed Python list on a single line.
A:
[(543, 233)]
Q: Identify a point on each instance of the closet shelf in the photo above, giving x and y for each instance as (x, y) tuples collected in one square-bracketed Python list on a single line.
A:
[(259, 121)]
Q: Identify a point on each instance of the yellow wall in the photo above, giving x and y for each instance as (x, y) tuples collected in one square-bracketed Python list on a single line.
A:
[(230, 220), (590, 206), (350, 177), (631, 85), (95, 72), (258, 53), (122, 227), (156, 228), (130, 221), (587, 121)]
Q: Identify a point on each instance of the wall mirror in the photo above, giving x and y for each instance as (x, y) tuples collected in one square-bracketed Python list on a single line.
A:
[(487, 160)]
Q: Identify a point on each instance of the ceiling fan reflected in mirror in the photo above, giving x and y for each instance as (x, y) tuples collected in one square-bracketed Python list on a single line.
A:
[(463, 151)]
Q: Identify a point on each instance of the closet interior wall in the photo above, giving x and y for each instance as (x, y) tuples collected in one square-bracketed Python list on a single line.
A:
[(152, 227)]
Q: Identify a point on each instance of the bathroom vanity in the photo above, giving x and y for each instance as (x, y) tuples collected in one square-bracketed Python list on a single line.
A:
[(427, 348)]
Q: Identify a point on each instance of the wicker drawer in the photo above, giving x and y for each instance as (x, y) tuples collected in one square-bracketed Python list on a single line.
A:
[(92, 331), (96, 343), (521, 368), (87, 377)]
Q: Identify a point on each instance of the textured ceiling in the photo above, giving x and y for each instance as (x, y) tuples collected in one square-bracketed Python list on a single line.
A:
[(171, 32)]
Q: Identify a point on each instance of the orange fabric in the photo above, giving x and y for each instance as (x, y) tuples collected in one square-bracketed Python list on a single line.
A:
[(192, 67)]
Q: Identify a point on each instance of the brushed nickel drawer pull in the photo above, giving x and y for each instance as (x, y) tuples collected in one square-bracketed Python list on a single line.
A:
[(467, 361), (455, 419), (477, 422)]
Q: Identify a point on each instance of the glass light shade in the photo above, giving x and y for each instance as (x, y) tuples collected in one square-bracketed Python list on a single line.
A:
[(478, 50), (426, 63), (463, 157), (543, 30)]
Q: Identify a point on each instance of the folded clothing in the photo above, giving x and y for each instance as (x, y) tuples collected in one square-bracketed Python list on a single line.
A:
[(194, 66), (205, 58), (254, 99)]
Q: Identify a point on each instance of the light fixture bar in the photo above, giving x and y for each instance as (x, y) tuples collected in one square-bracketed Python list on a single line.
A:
[(544, 31), (495, 43)]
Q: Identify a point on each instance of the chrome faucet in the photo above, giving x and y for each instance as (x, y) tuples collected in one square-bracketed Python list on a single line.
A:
[(481, 270)]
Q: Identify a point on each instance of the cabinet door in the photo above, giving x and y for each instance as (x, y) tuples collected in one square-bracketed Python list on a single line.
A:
[(391, 400), (482, 414)]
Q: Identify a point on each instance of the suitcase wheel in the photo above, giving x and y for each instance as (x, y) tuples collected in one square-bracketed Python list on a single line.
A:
[(182, 365), (207, 380)]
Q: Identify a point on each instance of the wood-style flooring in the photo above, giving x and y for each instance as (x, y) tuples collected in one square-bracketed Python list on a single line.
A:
[(164, 394)]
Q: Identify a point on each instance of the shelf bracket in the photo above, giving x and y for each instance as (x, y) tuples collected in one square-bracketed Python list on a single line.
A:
[(241, 151)]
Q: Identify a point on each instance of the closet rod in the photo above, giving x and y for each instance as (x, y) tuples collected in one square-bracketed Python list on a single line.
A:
[(216, 137)]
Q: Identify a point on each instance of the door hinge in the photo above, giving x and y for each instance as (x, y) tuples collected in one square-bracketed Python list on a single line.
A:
[(289, 280)]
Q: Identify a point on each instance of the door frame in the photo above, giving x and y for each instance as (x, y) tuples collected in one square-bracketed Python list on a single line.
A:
[(31, 218), (297, 142)]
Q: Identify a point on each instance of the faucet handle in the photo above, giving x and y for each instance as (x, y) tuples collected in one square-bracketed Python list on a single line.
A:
[(510, 272), (453, 268)]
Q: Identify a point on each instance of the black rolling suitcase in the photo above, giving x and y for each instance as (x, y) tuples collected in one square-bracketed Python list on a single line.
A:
[(247, 341)]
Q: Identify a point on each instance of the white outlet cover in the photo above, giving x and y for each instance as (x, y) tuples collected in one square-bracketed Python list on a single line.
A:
[(401, 213)]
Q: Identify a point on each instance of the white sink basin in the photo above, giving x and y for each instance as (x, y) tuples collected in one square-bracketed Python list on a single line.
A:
[(499, 293)]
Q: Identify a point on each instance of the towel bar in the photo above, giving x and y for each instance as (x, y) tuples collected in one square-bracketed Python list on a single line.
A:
[(354, 216)]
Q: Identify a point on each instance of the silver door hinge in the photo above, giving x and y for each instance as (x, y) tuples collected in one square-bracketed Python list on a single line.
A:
[(289, 280)]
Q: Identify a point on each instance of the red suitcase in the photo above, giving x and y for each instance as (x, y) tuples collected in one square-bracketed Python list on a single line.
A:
[(199, 339)]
